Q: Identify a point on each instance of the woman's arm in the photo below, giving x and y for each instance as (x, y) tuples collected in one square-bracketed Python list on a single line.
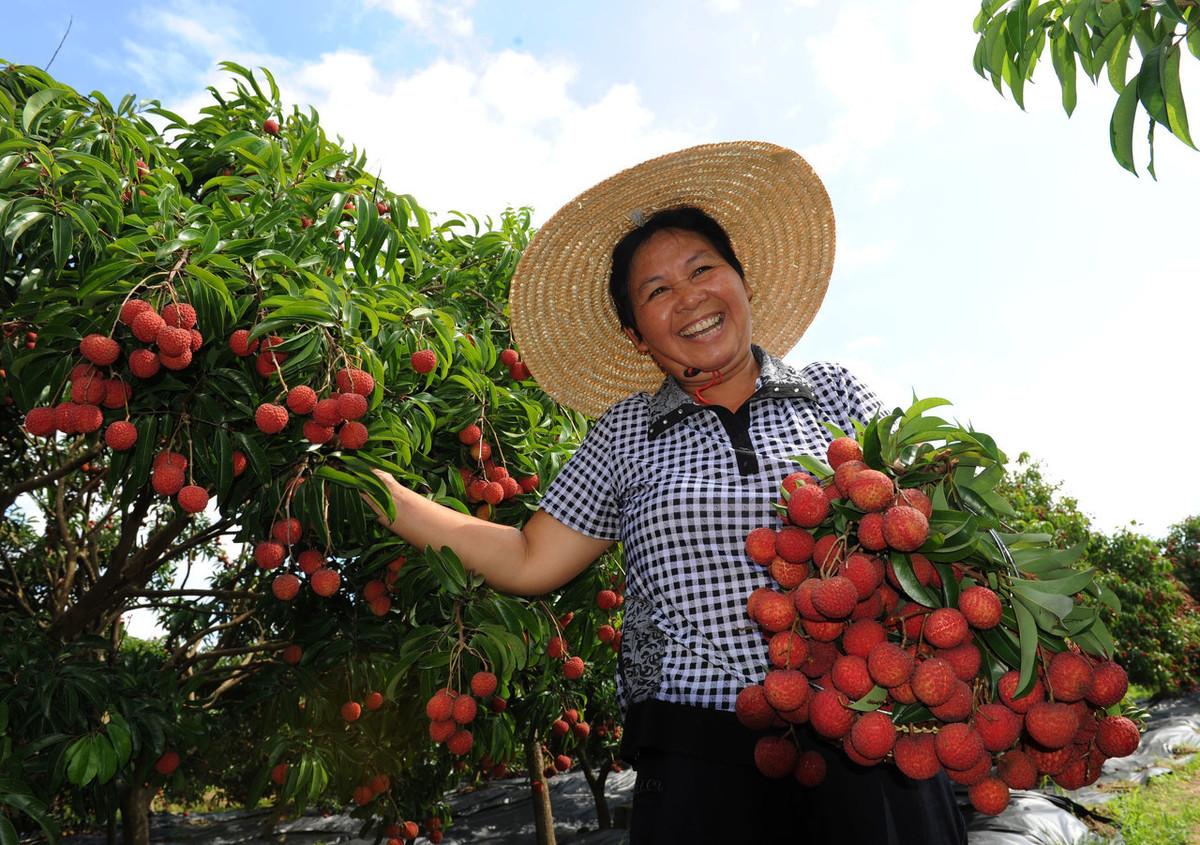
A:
[(528, 562)]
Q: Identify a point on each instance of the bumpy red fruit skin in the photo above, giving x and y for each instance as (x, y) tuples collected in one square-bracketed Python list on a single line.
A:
[(352, 406), (1117, 737), (301, 399), (573, 668), (843, 449), (88, 418), (120, 436), (958, 707), (829, 715), (793, 544), (167, 763), (1109, 684), (873, 735), (354, 380), (459, 744), (167, 480), (810, 768), (958, 746), (352, 435), (860, 637), (325, 582), (998, 726), (193, 498), (180, 315), (132, 308), (269, 555), (271, 418), (774, 611), (176, 362), (787, 650), (980, 606), (316, 433), (423, 361), (905, 529), (760, 546), (326, 413), (99, 349), (1069, 676), (916, 756), (775, 756), (351, 710), (173, 341), (946, 628), (1007, 685), (850, 676), (240, 344), (1051, 724), (40, 423), (464, 709), (835, 597), (752, 708), (1017, 770), (933, 681), (871, 490), (483, 684), (976, 774), (293, 654), (870, 532), (786, 689), (889, 664), (285, 586), (807, 507), (989, 797)]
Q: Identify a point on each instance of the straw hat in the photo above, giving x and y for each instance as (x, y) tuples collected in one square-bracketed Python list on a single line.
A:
[(766, 197)]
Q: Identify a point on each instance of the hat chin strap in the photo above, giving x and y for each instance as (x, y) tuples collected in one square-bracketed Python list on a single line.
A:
[(716, 379)]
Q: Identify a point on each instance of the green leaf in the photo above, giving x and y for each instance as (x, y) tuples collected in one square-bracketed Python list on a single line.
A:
[(37, 103), (1028, 637), (1176, 112), (8, 833), (1120, 126), (902, 565), (816, 466), (1063, 59), (1150, 90), (118, 735), (1059, 605), (1117, 60), (870, 701)]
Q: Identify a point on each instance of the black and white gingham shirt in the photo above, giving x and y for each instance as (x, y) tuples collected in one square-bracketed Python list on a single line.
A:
[(681, 485)]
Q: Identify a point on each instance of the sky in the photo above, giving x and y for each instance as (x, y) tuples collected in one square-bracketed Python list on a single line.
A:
[(995, 257)]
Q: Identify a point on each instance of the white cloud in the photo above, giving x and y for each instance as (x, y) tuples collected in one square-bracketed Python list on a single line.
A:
[(446, 17)]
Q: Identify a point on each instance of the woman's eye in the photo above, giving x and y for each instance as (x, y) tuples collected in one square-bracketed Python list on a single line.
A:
[(654, 292), (701, 269)]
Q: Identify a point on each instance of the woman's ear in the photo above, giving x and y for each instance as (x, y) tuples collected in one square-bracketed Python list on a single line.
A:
[(636, 339)]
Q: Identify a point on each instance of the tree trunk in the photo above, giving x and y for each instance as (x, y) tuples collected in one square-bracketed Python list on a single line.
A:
[(135, 815), (595, 783), (543, 814)]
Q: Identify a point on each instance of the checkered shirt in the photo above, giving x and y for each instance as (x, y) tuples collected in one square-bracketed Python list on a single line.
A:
[(681, 485)]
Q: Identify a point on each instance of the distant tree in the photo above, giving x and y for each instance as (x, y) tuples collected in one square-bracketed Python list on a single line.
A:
[(1096, 35), (1183, 550)]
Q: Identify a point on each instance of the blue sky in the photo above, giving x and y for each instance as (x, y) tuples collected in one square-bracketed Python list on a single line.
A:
[(995, 257)]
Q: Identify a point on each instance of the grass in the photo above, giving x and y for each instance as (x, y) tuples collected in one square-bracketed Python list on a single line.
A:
[(1166, 811)]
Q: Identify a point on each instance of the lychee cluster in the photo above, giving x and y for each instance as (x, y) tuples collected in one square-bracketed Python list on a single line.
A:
[(488, 484), (847, 650), (332, 419), (286, 536), (450, 711)]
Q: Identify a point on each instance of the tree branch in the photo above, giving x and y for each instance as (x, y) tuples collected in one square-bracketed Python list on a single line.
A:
[(7, 497)]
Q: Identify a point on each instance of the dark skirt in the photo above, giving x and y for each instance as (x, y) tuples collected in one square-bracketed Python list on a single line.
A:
[(688, 796)]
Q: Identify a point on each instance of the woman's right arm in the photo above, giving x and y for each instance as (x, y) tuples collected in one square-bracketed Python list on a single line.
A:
[(528, 562)]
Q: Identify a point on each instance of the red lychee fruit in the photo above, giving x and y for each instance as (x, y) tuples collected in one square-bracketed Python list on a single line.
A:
[(179, 315), (508, 357), (933, 681), (573, 668), (271, 418), (562, 762), (917, 757), (167, 763), (989, 796), (351, 710), (1069, 676), (835, 597), (1017, 770), (483, 684), (326, 412), (99, 349), (829, 714), (904, 528), (173, 341), (143, 363), (440, 706), (117, 393), (39, 422), (1117, 736), (301, 399), (442, 730), (866, 572), (279, 774), (470, 434), (353, 435), (352, 406), (958, 746), (873, 735), (464, 709), (271, 126), (760, 546), (775, 756), (519, 371), (861, 636), (269, 555), (787, 650), (285, 586), (1007, 686), (87, 418), (556, 648), (850, 675), (870, 532), (958, 707), (176, 362), (795, 545), (316, 433), (871, 490), (810, 768), (946, 628), (775, 611), (241, 345), (167, 480), (980, 606), (889, 664), (807, 507), (998, 726), (120, 436), (841, 450), (310, 561), (786, 689), (293, 654), (423, 361), (846, 473), (193, 498), (915, 498), (529, 483), (820, 659), (1051, 724), (131, 308), (325, 582), (828, 552), (1109, 684), (287, 531), (752, 708), (354, 380), (459, 744)]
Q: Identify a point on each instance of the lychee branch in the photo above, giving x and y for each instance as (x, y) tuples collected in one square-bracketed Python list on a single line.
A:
[(10, 495)]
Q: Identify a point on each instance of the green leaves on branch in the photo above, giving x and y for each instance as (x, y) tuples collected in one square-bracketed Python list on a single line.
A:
[(1098, 35)]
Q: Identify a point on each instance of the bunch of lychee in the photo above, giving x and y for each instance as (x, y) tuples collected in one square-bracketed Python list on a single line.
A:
[(573, 666), (450, 712), (336, 415), (847, 651), (490, 484), (286, 535)]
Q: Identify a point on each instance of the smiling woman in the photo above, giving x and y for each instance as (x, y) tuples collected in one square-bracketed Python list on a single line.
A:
[(714, 261)]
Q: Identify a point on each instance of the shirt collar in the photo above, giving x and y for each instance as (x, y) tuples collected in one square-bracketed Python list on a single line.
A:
[(776, 380)]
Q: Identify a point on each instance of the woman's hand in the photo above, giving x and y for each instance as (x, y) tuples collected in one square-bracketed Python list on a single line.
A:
[(393, 487)]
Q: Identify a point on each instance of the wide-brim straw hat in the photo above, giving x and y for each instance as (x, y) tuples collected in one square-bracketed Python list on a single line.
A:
[(767, 199)]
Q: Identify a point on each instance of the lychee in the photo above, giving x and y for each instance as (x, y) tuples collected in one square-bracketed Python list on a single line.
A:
[(873, 735), (167, 480), (786, 689), (143, 363), (958, 746), (871, 490), (1109, 684), (271, 418), (905, 528), (998, 726), (1051, 724), (352, 406), (870, 532), (354, 380), (120, 435), (423, 361), (1069, 676), (131, 308), (787, 650), (351, 710), (835, 597), (464, 709), (1017, 770), (483, 684), (99, 349), (326, 412), (810, 768), (752, 708), (241, 345), (843, 449), (40, 422), (269, 555), (989, 796), (573, 668), (946, 627), (980, 606), (193, 498), (850, 676), (793, 544), (933, 681), (829, 714), (1117, 736), (775, 611), (440, 705), (287, 531), (889, 664), (807, 507), (774, 756), (1007, 686), (325, 582), (301, 399), (285, 586), (916, 756), (179, 315), (760, 546)]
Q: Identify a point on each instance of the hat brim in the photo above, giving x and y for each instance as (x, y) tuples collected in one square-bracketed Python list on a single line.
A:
[(767, 198)]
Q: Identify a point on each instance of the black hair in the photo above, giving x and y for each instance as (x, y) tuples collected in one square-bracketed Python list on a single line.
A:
[(686, 218)]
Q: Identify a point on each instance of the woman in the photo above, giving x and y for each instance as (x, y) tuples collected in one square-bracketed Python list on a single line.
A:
[(697, 426)]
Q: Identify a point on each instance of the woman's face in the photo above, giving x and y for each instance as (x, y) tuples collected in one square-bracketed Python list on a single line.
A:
[(691, 307)]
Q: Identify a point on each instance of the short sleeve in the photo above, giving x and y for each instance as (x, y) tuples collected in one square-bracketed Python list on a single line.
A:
[(583, 496), (842, 395)]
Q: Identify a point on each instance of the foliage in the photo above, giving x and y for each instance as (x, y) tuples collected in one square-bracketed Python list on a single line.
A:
[(1183, 550), (260, 221), (1096, 36)]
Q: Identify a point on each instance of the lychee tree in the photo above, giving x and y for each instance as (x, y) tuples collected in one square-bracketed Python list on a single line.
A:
[(213, 330)]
